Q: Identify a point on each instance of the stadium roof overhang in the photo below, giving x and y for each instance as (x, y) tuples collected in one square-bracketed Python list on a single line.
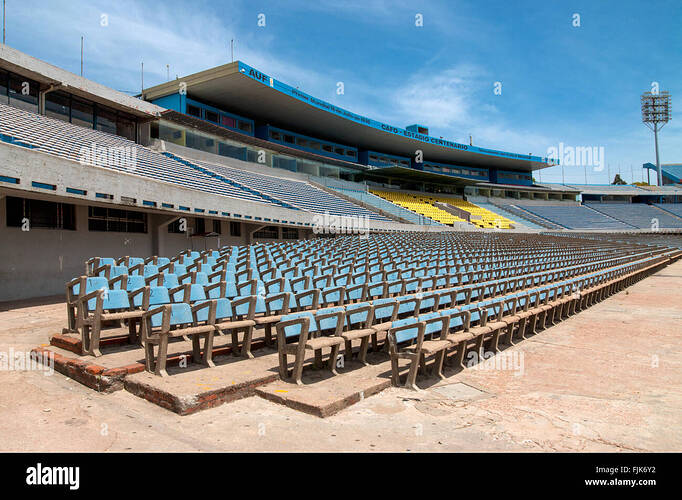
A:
[(53, 78), (541, 188), (672, 171), (242, 89), (411, 174)]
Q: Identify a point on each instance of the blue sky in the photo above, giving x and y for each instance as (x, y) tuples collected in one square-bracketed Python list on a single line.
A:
[(560, 83)]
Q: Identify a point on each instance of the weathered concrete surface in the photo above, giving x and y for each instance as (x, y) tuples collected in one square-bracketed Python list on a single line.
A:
[(607, 379), (324, 394), (193, 388)]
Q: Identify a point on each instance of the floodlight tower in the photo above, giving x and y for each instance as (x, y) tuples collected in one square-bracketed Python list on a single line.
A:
[(656, 113)]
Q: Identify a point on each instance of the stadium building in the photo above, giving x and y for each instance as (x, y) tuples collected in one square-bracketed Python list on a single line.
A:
[(232, 156)]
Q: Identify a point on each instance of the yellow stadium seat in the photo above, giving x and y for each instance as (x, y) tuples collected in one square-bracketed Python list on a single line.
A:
[(424, 205)]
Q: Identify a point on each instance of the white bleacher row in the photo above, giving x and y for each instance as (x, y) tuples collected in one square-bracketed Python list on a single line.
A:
[(673, 208), (296, 193), (638, 215), (66, 140), (69, 141)]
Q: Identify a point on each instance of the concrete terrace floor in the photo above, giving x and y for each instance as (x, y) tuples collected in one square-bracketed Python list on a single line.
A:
[(608, 379)]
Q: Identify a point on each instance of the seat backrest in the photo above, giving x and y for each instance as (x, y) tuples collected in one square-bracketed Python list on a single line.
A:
[(384, 309), (408, 333), (111, 300), (328, 323), (433, 327), (295, 329), (223, 309), (158, 295), (170, 280), (276, 305), (135, 261), (456, 319), (355, 317), (135, 283), (181, 314), (197, 292), (407, 304), (91, 284)]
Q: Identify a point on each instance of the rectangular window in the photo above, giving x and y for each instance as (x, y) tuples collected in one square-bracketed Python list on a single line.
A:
[(231, 151), (125, 127), (116, 220), (174, 227), (106, 120), (228, 121), (275, 136), (57, 105), (289, 233), (289, 139), (245, 126), (217, 227), (23, 93), (284, 163), (81, 113), (40, 214), (212, 116), (268, 232), (327, 148), (199, 226), (235, 228), (193, 111), (4, 99), (193, 140)]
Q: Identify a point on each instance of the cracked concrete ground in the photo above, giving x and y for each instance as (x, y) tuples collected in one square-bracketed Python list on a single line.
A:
[(608, 379)]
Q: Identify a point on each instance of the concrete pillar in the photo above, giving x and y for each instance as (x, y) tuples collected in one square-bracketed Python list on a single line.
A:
[(159, 233), (248, 229)]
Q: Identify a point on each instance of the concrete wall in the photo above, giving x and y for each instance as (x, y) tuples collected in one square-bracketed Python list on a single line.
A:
[(39, 262)]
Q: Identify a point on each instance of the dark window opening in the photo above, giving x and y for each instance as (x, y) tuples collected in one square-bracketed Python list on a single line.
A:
[(4, 98), (40, 214), (235, 228), (23, 93), (174, 227), (289, 233), (116, 220), (58, 105), (193, 111), (106, 120), (199, 226), (81, 113), (269, 232)]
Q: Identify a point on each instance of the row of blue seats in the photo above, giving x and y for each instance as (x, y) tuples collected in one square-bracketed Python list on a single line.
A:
[(419, 327)]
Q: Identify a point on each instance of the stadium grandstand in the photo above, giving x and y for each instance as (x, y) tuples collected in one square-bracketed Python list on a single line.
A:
[(228, 212), (233, 156)]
